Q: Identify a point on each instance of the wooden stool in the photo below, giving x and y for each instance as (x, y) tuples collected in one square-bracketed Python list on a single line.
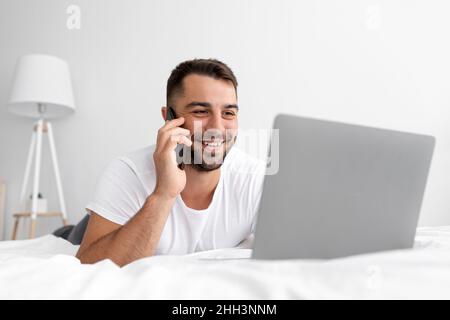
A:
[(17, 216)]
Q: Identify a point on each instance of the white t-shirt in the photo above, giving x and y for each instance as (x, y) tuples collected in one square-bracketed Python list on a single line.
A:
[(230, 218)]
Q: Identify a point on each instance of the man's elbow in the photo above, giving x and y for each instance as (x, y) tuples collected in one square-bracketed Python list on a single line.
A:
[(87, 259), (82, 257)]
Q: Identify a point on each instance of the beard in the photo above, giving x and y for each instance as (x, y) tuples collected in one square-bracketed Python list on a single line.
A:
[(206, 161)]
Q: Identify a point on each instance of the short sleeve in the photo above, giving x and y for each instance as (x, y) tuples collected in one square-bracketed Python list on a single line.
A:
[(119, 194)]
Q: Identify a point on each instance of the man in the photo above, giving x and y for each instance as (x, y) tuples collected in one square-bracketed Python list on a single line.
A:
[(147, 204)]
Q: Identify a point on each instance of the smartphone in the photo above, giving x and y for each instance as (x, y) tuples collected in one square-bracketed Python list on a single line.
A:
[(170, 115)]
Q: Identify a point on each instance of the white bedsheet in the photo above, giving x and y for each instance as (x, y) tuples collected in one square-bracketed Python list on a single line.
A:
[(45, 268)]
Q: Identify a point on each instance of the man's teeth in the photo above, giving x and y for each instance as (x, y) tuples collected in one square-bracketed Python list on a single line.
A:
[(212, 144)]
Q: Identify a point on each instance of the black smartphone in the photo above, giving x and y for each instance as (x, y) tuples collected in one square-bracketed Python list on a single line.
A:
[(170, 115)]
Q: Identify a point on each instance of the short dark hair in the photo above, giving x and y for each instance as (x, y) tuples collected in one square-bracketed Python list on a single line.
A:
[(208, 67)]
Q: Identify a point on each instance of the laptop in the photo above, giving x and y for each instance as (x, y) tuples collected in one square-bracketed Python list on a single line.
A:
[(341, 190)]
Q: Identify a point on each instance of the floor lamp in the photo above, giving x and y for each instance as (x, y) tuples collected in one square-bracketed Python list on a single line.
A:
[(41, 90)]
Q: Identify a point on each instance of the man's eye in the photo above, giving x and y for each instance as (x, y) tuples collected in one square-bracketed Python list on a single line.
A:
[(200, 111), (229, 114)]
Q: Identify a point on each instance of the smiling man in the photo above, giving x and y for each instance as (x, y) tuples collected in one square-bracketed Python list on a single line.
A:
[(146, 204)]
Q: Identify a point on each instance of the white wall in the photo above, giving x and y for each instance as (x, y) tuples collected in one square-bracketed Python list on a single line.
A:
[(380, 63)]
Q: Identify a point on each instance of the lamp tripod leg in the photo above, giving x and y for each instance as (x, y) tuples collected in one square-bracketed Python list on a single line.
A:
[(37, 168), (27, 171), (62, 203)]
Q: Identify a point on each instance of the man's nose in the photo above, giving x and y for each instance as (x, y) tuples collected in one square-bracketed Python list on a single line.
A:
[(215, 122)]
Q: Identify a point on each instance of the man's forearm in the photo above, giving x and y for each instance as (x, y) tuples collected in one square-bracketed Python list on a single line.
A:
[(136, 239)]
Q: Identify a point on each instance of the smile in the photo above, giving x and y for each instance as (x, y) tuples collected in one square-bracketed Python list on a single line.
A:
[(214, 144)]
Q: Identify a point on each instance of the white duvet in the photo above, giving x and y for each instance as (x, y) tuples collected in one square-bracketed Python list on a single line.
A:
[(45, 268)]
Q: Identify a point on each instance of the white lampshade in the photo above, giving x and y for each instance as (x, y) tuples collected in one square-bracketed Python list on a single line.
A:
[(41, 79)]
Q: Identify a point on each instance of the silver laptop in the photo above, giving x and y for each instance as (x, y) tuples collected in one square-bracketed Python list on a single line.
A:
[(341, 190)]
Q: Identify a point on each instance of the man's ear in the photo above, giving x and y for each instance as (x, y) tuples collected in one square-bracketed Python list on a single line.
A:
[(164, 112)]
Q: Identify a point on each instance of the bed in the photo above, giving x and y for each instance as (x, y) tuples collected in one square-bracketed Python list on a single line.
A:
[(46, 268)]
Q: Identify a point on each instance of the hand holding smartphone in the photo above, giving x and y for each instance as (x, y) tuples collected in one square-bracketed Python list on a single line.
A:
[(170, 178)]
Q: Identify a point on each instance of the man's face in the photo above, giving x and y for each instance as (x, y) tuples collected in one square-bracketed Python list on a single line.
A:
[(209, 107)]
